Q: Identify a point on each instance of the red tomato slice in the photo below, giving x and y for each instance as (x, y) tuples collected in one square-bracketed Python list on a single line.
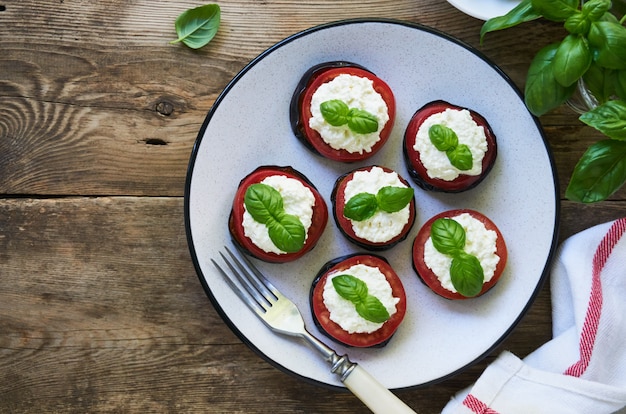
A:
[(301, 109), (430, 278), (345, 225), (319, 221), (417, 170), (321, 314)]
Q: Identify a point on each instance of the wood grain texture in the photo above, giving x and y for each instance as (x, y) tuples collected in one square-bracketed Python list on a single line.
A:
[(100, 306)]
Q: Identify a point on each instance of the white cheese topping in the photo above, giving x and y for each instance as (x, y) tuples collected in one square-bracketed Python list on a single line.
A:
[(382, 226), (356, 92), (469, 133), (298, 200), (479, 241), (343, 312)]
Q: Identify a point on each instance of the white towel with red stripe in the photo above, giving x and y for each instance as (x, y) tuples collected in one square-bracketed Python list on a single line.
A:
[(583, 368)]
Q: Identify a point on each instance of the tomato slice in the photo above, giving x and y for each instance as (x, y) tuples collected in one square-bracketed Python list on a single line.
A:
[(345, 225), (416, 169), (321, 315), (235, 226), (430, 278), (300, 109)]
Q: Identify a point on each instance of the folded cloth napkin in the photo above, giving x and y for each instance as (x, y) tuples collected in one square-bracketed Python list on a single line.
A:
[(583, 368)]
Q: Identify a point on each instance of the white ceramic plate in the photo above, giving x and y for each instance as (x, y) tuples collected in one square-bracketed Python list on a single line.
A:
[(484, 9), (249, 126)]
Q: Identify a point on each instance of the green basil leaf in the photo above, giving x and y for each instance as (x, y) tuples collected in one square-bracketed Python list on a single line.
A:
[(595, 9), (335, 112), (287, 233), (361, 207), (521, 13), (350, 288), (600, 82), (448, 236), (620, 84), (599, 173), (608, 44), (543, 93), (372, 309), (362, 122), (609, 17), (571, 59), (392, 199), (556, 10), (197, 27), (578, 23), (263, 202), (442, 137), (461, 157), (466, 274), (608, 118)]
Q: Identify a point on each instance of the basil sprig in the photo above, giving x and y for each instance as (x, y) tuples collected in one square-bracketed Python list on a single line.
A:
[(196, 27), (389, 199), (594, 51), (265, 205), (336, 112), (369, 307), (446, 140), (466, 272)]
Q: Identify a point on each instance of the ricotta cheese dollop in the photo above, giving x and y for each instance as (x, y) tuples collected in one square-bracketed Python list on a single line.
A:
[(468, 132), (343, 312), (479, 241), (356, 92), (298, 200), (382, 226)]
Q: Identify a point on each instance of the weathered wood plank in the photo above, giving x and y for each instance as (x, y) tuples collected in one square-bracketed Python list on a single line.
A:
[(102, 104), (104, 312)]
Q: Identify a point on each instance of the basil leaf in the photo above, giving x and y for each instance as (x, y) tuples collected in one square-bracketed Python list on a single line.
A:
[(362, 122), (448, 236), (608, 118), (571, 59), (577, 23), (355, 290), (372, 309), (443, 137), (600, 82), (466, 274), (287, 233), (335, 112), (608, 44), (360, 207), (595, 9), (599, 173), (542, 91), (523, 12), (461, 157), (393, 199), (263, 202), (556, 10), (350, 288), (197, 27)]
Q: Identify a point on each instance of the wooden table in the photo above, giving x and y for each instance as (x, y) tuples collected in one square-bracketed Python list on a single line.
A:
[(100, 307)]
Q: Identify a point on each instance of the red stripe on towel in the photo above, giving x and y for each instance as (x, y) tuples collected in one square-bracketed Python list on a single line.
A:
[(477, 406), (594, 309)]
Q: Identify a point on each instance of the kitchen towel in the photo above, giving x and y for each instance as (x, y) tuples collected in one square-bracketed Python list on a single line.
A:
[(582, 369)]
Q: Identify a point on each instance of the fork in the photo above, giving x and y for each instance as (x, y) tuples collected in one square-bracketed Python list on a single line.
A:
[(282, 316)]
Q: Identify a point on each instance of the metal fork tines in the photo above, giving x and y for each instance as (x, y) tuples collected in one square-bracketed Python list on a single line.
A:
[(278, 312), (272, 307)]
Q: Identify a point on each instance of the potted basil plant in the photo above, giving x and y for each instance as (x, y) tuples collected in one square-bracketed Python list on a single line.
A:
[(591, 56)]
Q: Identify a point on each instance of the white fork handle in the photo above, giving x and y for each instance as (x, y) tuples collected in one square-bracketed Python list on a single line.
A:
[(373, 394)]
